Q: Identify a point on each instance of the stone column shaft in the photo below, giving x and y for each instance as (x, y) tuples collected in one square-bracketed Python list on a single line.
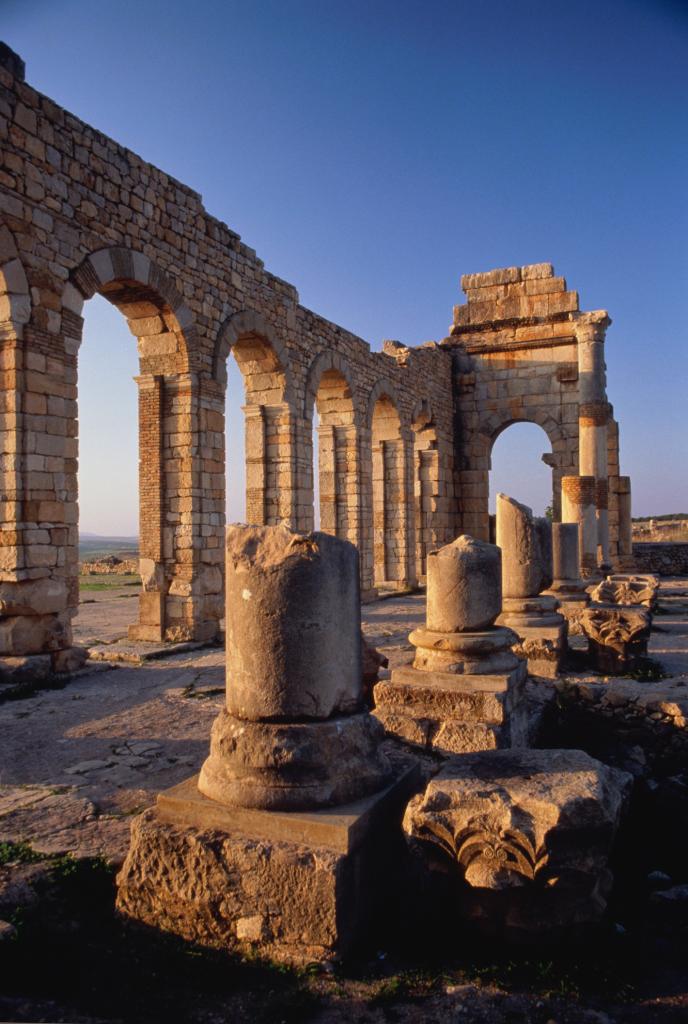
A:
[(592, 425), (578, 506)]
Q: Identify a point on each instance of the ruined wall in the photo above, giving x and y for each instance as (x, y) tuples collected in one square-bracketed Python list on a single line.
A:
[(405, 434), (520, 346), (80, 214)]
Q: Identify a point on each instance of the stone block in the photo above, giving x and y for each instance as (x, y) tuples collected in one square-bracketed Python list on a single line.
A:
[(523, 835), (295, 887)]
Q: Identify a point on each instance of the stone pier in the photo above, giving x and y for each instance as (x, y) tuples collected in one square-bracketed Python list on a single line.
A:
[(567, 586), (282, 841), (464, 690), (594, 415), (526, 545)]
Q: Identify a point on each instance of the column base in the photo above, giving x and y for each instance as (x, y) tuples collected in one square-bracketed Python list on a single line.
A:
[(542, 633), (452, 713), (294, 887)]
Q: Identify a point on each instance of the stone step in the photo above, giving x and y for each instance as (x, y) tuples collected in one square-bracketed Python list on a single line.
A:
[(445, 736), (455, 698)]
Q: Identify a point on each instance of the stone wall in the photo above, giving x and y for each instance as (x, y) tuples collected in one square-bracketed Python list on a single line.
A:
[(521, 352), (81, 214), (405, 434), (665, 559)]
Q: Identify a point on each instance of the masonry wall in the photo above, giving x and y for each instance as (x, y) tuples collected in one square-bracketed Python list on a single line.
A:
[(80, 214)]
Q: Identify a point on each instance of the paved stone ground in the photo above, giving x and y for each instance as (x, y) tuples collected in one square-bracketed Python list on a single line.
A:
[(76, 763)]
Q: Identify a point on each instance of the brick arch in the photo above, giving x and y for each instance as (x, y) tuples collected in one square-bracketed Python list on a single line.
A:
[(329, 362), (148, 298), (247, 324)]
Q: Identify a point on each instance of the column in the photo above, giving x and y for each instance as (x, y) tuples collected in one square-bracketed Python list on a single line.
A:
[(578, 506), (592, 424)]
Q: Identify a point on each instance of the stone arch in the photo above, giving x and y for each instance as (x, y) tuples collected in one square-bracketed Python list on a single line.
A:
[(147, 297), (475, 477), (392, 490), (269, 415), (383, 388), (251, 338), (161, 321), (332, 364), (330, 387)]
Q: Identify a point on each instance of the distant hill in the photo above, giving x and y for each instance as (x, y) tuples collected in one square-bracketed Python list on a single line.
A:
[(667, 515), (93, 546)]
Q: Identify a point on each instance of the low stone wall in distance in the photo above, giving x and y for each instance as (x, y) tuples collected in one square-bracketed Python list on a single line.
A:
[(664, 559)]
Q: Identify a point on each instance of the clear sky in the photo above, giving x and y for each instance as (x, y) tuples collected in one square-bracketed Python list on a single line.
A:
[(372, 152)]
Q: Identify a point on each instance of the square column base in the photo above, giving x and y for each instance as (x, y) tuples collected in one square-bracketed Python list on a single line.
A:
[(295, 887), (452, 713), (544, 648)]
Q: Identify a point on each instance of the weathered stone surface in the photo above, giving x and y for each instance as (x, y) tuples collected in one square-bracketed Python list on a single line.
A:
[(526, 835), (626, 591), (293, 765), (524, 572), (31, 634), (33, 597), (191, 871), (617, 635), (463, 586), (293, 624)]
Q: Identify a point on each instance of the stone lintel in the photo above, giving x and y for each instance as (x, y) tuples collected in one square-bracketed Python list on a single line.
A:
[(341, 828)]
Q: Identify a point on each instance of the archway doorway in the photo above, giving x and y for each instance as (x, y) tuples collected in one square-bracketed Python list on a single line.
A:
[(521, 466), (108, 475)]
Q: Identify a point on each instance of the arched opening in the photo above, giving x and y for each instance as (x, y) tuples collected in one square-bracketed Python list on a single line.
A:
[(426, 483), (335, 457), (521, 464), (259, 473), (108, 473), (164, 443), (235, 445), (389, 521)]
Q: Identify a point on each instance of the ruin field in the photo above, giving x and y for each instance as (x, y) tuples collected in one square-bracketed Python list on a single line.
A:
[(78, 763)]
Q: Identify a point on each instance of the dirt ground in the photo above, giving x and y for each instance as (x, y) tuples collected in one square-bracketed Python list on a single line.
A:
[(78, 762)]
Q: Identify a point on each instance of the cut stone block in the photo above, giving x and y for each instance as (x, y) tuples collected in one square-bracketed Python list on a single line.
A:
[(524, 837), (451, 713), (298, 886)]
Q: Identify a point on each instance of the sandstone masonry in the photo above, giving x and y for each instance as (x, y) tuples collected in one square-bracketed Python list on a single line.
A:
[(405, 434)]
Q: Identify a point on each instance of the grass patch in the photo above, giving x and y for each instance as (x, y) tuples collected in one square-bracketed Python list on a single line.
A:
[(101, 583)]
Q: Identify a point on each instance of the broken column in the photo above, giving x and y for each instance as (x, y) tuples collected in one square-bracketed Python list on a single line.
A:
[(243, 853), (526, 545), (578, 506), (462, 692), (623, 497), (567, 586)]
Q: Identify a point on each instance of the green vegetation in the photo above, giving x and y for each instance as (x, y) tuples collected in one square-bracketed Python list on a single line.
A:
[(108, 582)]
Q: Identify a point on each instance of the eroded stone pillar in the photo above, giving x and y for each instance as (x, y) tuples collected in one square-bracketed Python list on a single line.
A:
[(463, 689), (623, 493), (526, 545), (294, 733), (567, 586), (594, 414), (578, 506), (294, 737)]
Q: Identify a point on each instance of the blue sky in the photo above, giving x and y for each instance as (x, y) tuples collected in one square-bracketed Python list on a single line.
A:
[(372, 152)]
